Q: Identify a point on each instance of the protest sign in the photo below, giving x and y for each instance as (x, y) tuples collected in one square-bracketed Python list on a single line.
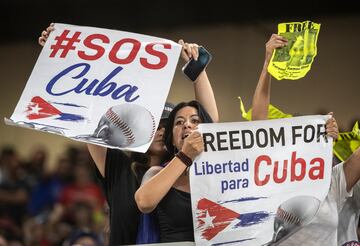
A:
[(343, 147), (100, 86), (294, 60), (254, 178)]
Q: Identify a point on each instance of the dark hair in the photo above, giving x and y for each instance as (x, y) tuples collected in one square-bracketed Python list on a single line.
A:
[(7, 151), (139, 164), (80, 234), (168, 135), (141, 161)]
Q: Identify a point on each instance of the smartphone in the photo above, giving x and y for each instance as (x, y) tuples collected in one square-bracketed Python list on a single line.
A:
[(193, 68)]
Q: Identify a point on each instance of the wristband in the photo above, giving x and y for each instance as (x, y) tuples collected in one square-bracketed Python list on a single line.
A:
[(184, 158)]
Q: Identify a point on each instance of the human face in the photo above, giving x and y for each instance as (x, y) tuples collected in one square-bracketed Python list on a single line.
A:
[(85, 241), (298, 48), (297, 52), (157, 146), (186, 121)]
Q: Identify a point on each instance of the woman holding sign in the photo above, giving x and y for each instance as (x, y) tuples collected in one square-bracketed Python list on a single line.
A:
[(120, 174), (167, 189), (323, 228)]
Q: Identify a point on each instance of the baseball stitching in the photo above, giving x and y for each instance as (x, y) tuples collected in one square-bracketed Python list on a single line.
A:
[(153, 130), (115, 119), (288, 217)]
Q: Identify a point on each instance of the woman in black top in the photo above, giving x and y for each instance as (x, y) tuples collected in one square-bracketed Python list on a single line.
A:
[(167, 189), (121, 178)]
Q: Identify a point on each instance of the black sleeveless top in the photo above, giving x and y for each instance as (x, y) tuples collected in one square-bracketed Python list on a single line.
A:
[(175, 217), (120, 185)]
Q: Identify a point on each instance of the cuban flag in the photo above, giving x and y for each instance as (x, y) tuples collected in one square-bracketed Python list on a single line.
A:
[(214, 218), (38, 108)]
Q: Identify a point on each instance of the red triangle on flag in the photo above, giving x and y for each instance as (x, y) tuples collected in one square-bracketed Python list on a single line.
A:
[(220, 216), (39, 108)]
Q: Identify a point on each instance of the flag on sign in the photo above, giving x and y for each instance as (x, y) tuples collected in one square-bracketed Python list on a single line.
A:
[(38, 108), (213, 218)]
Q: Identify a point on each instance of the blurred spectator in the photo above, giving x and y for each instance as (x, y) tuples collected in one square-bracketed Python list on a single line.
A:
[(82, 189), (49, 188), (10, 233), (84, 216), (35, 167), (35, 234), (59, 202), (57, 228), (83, 238), (13, 189), (80, 204), (79, 155)]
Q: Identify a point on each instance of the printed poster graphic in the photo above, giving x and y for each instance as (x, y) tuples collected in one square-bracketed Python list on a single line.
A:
[(294, 60), (100, 86), (259, 182)]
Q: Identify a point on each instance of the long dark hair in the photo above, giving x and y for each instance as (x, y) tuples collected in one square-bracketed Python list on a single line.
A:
[(140, 163), (168, 135)]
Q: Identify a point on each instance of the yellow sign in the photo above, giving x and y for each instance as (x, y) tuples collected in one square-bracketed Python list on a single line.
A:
[(274, 113), (347, 143), (294, 60)]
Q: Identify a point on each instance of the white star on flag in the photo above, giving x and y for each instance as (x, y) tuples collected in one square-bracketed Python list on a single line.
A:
[(35, 109), (208, 220)]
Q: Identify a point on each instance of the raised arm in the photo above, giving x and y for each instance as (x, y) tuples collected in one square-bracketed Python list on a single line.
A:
[(98, 154), (202, 86), (261, 99), (352, 169), (157, 182)]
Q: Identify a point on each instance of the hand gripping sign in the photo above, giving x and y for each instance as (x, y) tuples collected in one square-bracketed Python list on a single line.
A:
[(258, 182), (100, 86)]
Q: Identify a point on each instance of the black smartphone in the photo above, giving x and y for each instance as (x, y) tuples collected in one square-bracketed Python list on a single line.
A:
[(193, 68)]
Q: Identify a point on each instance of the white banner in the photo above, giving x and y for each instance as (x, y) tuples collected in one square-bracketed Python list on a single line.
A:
[(98, 85), (258, 182)]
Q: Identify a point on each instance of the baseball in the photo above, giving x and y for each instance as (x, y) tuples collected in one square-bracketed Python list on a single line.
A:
[(292, 214), (126, 125), (298, 210)]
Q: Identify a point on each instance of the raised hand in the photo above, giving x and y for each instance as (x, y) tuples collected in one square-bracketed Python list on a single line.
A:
[(45, 34), (189, 50), (332, 129), (275, 41), (193, 145)]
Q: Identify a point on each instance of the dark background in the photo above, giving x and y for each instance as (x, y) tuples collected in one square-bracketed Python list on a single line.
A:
[(22, 19)]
